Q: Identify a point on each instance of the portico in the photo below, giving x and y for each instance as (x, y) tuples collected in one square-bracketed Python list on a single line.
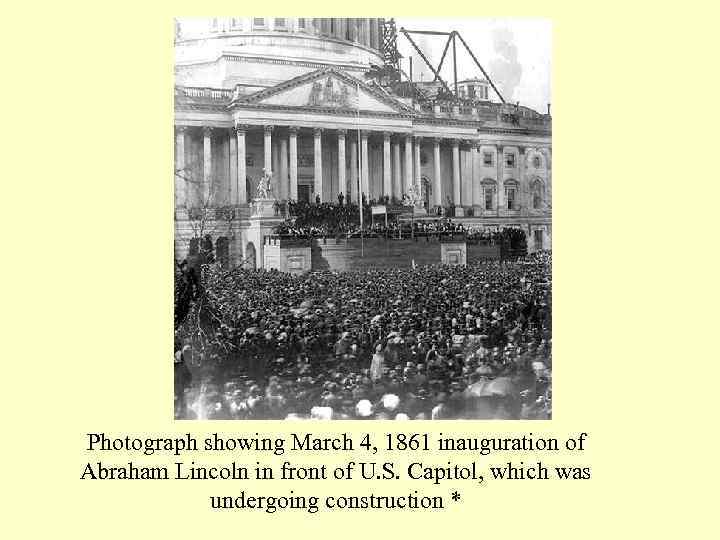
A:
[(328, 132)]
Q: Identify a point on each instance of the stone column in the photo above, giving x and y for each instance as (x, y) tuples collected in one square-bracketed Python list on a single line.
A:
[(353, 29), (293, 164), (408, 164), (342, 164), (365, 173), (476, 172), (354, 170), (181, 175), (418, 175), (233, 168), (437, 181), (522, 182), (317, 187), (275, 168), (366, 32), (397, 176), (242, 197), (373, 33), (387, 179), (241, 170), (268, 148), (456, 172), (207, 166), (500, 182), (283, 168)]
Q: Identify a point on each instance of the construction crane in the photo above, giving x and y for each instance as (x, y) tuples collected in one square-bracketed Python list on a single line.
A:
[(392, 57)]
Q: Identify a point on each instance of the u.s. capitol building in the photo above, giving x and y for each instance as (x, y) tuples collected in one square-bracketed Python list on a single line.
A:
[(293, 96)]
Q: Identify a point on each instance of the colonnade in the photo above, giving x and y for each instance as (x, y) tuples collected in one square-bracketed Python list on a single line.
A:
[(396, 179)]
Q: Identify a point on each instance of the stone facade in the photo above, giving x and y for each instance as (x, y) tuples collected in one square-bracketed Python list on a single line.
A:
[(290, 96)]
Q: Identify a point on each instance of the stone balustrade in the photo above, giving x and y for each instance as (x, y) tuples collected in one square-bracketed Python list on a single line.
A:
[(214, 94)]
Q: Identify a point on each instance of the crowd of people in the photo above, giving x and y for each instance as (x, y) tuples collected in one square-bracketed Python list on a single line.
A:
[(393, 229), (432, 342), (512, 240)]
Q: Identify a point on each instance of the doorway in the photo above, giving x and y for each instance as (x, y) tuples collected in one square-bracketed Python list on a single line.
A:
[(304, 192), (538, 239)]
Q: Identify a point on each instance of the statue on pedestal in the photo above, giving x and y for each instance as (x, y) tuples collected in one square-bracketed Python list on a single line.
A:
[(264, 203), (264, 191), (415, 200), (413, 197)]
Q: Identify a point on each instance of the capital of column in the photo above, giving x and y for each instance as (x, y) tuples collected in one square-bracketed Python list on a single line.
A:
[(436, 141), (341, 133), (386, 135), (317, 132), (476, 144), (293, 130), (207, 131), (181, 129), (418, 138), (241, 129), (364, 134), (455, 143), (268, 129)]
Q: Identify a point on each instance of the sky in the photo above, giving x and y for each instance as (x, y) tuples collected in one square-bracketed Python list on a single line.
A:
[(516, 53)]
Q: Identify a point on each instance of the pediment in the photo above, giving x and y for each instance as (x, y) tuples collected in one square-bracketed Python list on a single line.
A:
[(328, 89)]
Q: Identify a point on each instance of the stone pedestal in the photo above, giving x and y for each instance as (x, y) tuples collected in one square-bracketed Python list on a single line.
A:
[(420, 211), (453, 253), (262, 222), (292, 255), (263, 208), (459, 211)]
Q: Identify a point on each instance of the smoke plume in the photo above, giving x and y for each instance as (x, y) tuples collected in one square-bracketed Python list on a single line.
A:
[(505, 69)]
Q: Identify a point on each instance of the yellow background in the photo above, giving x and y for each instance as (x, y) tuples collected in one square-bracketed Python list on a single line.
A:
[(87, 282)]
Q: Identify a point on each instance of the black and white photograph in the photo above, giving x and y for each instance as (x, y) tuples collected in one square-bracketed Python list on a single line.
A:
[(363, 219)]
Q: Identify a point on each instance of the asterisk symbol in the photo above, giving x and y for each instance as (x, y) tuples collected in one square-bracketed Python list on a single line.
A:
[(455, 496)]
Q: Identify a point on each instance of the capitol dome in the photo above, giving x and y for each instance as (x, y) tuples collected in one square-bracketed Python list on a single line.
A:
[(260, 52)]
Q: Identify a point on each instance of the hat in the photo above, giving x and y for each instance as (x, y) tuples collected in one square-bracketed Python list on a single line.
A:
[(363, 408), (321, 413), (390, 401)]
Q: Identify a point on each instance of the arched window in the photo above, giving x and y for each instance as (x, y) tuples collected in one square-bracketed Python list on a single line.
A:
[(250, 256), (538, 191), (511, 190), (488, 194)]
